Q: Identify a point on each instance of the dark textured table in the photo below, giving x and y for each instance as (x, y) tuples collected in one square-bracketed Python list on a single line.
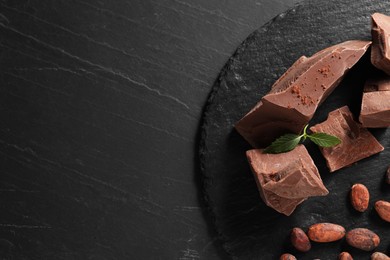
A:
[(100, 109)]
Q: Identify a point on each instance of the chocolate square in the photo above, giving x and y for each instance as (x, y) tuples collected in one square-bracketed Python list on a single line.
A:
[(375, 109), (287, 179), (356, 141)]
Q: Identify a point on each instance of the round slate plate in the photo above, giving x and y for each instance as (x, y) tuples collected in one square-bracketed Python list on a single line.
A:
[(249, 229)]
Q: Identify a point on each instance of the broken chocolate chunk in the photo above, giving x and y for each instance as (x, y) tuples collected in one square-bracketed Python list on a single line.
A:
[(295, 96), (375, 110), (380, 50), (287, 179), (356, 141)]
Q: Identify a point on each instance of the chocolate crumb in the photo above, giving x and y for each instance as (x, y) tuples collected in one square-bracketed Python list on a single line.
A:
[(296, 90), (324, 70)]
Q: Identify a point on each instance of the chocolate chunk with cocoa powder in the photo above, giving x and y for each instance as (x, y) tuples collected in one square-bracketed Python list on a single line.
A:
[(286, 179), (295, 96), (356, 141)]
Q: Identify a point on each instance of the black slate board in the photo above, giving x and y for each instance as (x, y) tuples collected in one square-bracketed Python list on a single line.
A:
[(249, 229)]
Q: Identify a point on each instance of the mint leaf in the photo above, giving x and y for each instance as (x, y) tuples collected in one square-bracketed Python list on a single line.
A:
[(283, 144), (288, 142), (324, 140)]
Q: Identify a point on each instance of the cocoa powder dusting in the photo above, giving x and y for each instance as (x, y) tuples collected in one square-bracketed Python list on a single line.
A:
[(307, 100), (296, 90), (324, 71), (304, 100)]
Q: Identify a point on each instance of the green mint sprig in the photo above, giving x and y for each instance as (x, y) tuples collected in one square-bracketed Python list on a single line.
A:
[(288, 142)]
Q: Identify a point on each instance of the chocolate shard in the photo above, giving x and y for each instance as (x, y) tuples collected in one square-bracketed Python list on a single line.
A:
[(356, 141), (295, 96), (287, 179), (380, 50), (375, 109)]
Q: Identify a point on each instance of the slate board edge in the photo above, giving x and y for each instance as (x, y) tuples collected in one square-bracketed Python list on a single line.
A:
[(205, 180)]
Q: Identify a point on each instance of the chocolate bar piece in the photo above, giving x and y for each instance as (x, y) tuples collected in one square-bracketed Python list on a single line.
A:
[(375, 110), (356, 141), (380, 50), (295, 96), (287, 179)]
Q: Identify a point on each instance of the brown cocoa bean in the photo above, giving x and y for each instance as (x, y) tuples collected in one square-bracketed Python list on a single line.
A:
[(360, 197), (326, 232), (383, 209), (345, 256), (379, 256), (287, 257), (363, 239), (388, 175), (300, 240)]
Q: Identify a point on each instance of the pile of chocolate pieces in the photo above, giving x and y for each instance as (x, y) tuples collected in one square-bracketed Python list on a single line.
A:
[(287, 179)]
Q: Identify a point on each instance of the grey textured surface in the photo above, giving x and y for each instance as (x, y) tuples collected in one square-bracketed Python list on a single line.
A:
[(251, 230), (100, 103)]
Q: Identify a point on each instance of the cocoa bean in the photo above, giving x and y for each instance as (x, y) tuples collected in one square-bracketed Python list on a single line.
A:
[(287, 257), (363, 239), (379, 256), (383, 209), (345, 256), (360, 197), (326, 232), (300, 240)]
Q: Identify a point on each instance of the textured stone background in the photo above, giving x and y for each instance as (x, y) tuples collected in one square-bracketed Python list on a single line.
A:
[(100, 107)]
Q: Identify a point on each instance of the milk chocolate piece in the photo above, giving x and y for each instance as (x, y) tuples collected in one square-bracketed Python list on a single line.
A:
[(295, 96), (375, 110), (380, 50), (287, 179), (356, 141)]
